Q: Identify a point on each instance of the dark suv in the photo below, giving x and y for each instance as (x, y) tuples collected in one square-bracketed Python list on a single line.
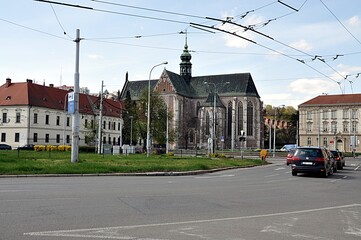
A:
[(312, 160), (340, 160)]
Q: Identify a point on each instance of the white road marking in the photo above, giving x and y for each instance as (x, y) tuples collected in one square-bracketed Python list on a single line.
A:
[(280, 168), (109, 231), (357, 168), (272, 175)]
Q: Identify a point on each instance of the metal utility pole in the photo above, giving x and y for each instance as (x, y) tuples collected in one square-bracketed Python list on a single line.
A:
[(75, 116), (100, 120)]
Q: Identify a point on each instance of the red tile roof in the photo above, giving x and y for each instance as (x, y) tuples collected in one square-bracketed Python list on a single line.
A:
[(341, 99), (31, 94)]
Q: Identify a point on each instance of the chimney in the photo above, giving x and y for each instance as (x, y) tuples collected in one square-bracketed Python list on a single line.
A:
[(51, 85), (29, 81), (8, 82)]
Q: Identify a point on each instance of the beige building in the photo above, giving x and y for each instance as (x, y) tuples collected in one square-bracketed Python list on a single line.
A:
[(331, 121), (36, 114)]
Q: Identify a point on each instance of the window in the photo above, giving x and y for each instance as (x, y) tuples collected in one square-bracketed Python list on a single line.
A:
[(17, 137), (47, 119), (86, 123), (309, 115), (207, 123), (354, 127), (118, 126), (3, 137), (250, 119), (35, 137), (47, 137), (333, 114), (92, 123), (325, 142), (67, 139), (35, 118), (324, 114), (354, 113), (104, 140), (309, 127), (109, 140), (57, 138), (240, 117), (114, 125), (67, 121), (17, 117), (57, 120), (114, 141), (334, 127), (345, 114), (309, 141), (5, 117), (229, 119), (109, 124), (104, 124), (345, 126), (325, 127)]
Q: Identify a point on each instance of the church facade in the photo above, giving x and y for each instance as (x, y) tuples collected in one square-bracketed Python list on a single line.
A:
[(213, 109)]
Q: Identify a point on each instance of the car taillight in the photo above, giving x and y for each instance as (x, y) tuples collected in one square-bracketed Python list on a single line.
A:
[(296, 158), (320, 159)]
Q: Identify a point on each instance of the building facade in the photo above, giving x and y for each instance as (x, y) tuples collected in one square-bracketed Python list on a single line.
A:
[(38, 114), (331, 121), (223, 106)]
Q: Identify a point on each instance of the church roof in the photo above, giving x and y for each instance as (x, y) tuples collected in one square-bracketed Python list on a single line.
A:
[(239, 84)]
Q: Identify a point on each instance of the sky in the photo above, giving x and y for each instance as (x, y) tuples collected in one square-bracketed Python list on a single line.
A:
[(295, 50)]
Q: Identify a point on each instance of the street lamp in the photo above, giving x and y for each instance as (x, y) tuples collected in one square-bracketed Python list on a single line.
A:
[(274, 130), (131, 130), (148, 112), (213, 132), (101, 119)]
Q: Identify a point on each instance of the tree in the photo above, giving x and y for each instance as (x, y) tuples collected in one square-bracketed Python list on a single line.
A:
[(130, 115), (158, 117)]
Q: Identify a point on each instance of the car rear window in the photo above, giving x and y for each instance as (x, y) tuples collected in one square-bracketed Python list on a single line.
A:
[(302, 152)]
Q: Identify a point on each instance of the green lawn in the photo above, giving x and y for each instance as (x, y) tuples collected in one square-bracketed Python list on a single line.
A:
[(31, 162)]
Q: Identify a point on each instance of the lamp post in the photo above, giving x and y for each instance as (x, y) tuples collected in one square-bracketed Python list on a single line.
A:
[(274, 130), (213, 132), (148, 111), (131, 130)]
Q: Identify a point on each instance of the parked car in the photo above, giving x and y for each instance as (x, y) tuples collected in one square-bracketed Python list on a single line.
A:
[(27, 147), (288, 147), (312, 160), (333, 160), (289, 157), (5, 147), (340, 160)]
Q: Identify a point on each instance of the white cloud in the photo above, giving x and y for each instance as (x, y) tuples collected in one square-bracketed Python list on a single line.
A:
[(302, 45), (312, 86), (354, 21)]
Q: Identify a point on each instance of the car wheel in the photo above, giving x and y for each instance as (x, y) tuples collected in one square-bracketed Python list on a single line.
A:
[(294, 173), (331, 171)]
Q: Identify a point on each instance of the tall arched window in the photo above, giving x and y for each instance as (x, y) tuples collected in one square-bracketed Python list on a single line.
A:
[(240, 117), (250, 119), (207, 123), (229, 119)]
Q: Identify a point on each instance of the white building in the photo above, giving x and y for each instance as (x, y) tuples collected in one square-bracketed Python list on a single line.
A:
[(35, 114), (331, 121)]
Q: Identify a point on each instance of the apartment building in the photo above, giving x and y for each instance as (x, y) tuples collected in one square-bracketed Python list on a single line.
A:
[(331, 121), (36, 114)]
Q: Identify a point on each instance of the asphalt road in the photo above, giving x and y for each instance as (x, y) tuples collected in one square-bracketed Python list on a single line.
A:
[(243, 204)]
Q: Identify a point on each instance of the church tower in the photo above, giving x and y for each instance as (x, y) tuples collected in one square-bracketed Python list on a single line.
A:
[(186, 65)]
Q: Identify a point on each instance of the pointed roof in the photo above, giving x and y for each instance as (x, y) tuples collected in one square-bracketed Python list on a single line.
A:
[(32, 94), (240, 84), (339, 99)]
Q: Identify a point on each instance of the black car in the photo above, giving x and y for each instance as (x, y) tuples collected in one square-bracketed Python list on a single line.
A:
[(5, 147), (312, 160), (27, 147), (340, 160)]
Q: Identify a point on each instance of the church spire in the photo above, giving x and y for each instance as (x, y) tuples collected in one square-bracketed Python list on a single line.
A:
[(186, 65)]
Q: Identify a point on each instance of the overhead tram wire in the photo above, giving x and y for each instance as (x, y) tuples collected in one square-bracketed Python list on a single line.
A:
[(279, 42), (35, 30), (61, 26), (148, 9), (340, 22), (113, 12), (281, 53)]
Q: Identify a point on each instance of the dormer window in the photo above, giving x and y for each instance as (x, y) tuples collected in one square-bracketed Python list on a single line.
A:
[(8, 98)]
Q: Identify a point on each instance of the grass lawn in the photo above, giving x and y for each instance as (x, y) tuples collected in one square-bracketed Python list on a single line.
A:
[(31, 162)]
